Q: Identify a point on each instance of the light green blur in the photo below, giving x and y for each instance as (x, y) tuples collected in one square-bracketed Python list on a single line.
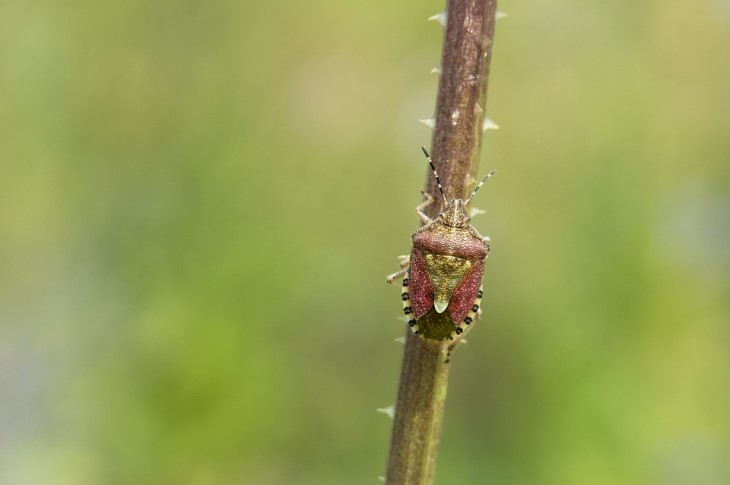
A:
[(199, 202)]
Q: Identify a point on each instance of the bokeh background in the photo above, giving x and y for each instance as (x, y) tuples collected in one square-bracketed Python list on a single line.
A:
[(199, 202)]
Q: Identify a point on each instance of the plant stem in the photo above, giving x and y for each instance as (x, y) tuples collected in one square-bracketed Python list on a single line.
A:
[(455, 151)]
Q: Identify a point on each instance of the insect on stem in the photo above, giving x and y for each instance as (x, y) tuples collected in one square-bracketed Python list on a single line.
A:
[(442, 281)]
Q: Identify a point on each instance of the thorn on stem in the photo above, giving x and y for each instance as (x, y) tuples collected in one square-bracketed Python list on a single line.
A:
[(430, 122), (389, 411), (489, 125), (440, 18)]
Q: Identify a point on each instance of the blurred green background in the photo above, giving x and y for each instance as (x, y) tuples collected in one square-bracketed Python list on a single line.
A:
[(200, 200)]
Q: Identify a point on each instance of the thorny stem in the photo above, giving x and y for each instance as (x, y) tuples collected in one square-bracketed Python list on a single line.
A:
[(455, 148)]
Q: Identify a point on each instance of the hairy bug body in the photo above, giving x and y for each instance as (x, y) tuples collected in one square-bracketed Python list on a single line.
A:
[(442, 285)]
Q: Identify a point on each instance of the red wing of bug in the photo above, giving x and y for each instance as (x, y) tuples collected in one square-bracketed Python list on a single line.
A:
[(420, 287), (465, 294)]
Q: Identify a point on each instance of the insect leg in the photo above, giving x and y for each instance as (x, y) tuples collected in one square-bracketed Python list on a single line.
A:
[(405, 260), (475, 233), (398, 274), (419, 209)]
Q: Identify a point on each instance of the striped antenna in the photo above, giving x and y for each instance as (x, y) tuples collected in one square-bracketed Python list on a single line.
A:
[(478, 186), (435, 174)]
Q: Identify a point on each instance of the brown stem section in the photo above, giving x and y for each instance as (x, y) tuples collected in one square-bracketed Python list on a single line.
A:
[(455, 151), (462, 95)]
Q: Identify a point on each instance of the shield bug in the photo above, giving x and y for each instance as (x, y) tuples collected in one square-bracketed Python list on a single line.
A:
[(442, 277)]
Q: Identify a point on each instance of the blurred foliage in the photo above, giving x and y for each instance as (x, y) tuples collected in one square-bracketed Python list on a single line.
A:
[(200, 202)]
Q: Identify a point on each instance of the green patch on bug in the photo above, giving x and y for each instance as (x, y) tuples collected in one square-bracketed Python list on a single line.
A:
[(446, 273), (436, 326)]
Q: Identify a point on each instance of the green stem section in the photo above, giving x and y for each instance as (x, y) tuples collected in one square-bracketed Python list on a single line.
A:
[(455, 150), (419, 412)]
